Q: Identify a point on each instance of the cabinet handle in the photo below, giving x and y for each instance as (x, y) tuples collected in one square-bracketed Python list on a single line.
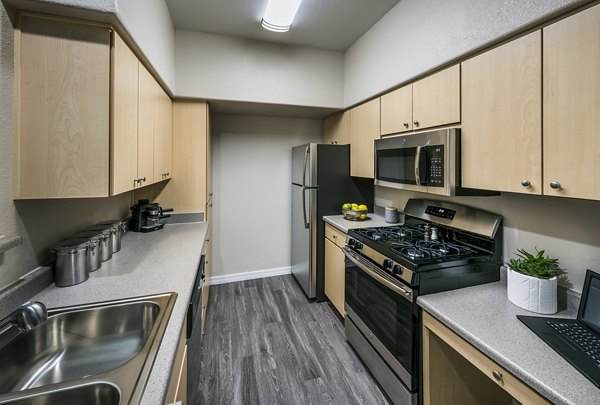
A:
[(143, 179), (525, 183), (405, 124), (416, 123), (167, 173), (497, 375), (555, 185), (210, 205)]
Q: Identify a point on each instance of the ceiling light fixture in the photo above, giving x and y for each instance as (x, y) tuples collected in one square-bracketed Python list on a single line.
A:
[(280, 14)]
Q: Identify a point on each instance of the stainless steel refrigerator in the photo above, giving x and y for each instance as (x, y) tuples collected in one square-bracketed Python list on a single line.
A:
[(321, 183)]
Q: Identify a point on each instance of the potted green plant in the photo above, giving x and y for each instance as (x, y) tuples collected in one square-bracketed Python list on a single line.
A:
[(532, 281)]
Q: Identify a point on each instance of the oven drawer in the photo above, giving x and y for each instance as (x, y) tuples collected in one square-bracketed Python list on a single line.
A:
[(335, 235), (450, 361)]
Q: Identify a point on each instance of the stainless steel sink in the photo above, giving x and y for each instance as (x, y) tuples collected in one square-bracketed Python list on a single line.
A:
[(103, 351), (91, 394)]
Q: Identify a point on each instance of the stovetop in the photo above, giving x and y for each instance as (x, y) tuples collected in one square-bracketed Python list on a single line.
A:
[(418, 243)]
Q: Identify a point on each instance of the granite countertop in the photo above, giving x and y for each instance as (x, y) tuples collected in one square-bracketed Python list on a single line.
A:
[(373, 219), (484, 317), (148, 263)]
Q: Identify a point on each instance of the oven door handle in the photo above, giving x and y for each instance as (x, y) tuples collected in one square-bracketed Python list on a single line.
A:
[(406, 293)]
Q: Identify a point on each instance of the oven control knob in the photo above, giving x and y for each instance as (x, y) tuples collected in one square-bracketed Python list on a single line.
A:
[(358, 245), (397, 270), (352, 242), (387, 264)]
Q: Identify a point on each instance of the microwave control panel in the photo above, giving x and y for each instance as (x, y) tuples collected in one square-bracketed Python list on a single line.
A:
[(436, 166)]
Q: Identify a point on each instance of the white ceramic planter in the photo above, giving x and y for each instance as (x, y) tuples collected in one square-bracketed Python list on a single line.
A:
[(530, 293)]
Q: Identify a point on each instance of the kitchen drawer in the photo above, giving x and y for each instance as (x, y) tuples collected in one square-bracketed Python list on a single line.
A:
[(442, 346), (335, 235)]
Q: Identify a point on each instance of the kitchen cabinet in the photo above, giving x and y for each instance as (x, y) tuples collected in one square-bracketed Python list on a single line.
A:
[(335, 267), (177, 388), (91, 120), (62, 72), (124, 109), (501, 136), (397, 111), (430, 102), (571, 106), (455, 372), (336, 129), (364, 129)]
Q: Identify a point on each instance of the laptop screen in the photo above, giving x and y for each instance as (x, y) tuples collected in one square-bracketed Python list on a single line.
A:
[(589, 309)]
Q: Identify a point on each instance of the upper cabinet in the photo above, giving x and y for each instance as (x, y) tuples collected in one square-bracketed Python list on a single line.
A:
[(62, 72), (336, 129), (124, 108), (501, 137), (571, 78), (364, 129), (91, 120), (430, 102)]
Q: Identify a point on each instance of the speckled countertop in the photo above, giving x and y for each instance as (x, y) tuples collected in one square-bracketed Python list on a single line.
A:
[(484, 317), (344, 225), (148, 263)]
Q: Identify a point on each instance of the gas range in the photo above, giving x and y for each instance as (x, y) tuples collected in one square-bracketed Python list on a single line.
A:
[(435, 235), (440, 247)]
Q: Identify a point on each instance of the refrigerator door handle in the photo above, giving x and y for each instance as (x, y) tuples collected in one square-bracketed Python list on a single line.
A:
[(306, 223), (304, 174)]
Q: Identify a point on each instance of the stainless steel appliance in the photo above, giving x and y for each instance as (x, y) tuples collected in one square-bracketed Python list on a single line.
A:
[(428, 162), (146, 216), (441, 246), (321, 184)]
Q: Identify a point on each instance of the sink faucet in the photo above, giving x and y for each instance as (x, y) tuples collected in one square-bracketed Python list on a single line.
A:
[(27, 316)]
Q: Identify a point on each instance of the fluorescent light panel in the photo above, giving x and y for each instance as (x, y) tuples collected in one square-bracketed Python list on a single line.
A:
[(280, 14)]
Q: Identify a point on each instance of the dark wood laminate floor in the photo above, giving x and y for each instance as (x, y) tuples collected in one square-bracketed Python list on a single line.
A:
[(266, 344)]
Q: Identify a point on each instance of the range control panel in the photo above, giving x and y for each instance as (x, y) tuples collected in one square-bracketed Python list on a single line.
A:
[(436, 166), (440, 212)]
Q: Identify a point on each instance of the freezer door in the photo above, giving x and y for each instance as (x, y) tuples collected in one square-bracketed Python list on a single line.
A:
[(302, 268), (304, 165)]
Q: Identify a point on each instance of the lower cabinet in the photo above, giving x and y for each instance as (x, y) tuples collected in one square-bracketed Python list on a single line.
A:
[(455, 372), (334, 267), (177, 389)]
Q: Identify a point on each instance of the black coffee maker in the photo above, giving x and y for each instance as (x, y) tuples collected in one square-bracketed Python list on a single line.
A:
[(146, 216)]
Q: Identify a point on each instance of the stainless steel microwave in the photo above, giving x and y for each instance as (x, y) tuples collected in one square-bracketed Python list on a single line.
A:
[(428, 162)]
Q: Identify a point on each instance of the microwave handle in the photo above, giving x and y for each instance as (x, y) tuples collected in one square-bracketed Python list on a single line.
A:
[(417, 166)]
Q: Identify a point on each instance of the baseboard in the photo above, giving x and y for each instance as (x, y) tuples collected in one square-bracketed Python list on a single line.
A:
[(250, 275)]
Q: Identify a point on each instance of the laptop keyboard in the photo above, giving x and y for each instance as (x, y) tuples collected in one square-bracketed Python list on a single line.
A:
[(581, 337)]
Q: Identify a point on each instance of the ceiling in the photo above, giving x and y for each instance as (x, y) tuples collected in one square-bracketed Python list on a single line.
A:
[(326, 24)]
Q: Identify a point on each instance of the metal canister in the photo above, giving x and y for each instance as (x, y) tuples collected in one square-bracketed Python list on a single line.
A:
[(119, 227), (107, 240), (71, 262), (94, 256)]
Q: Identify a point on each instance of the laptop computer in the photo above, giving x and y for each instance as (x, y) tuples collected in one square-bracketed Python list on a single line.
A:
[(576, 340)]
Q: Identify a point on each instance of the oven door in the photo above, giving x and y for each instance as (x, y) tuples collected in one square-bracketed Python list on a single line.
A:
[(382, 308)]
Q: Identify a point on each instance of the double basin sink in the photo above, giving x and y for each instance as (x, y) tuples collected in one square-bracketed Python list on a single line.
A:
[(93, 354)]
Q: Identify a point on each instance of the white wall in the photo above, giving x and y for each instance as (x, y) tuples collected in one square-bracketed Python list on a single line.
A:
[(419, 35), (251, 185), (220, 67), (565, 228), (150, 25)]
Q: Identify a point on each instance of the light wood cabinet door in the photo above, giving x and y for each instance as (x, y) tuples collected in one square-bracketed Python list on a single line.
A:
[(501, 137), (364, 129), (62, 76), (147, 100), (436, 99), (455, 372), (572, 106), (397, 111), (124, 108), (334, 275), (336, 129), (163, 137)]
